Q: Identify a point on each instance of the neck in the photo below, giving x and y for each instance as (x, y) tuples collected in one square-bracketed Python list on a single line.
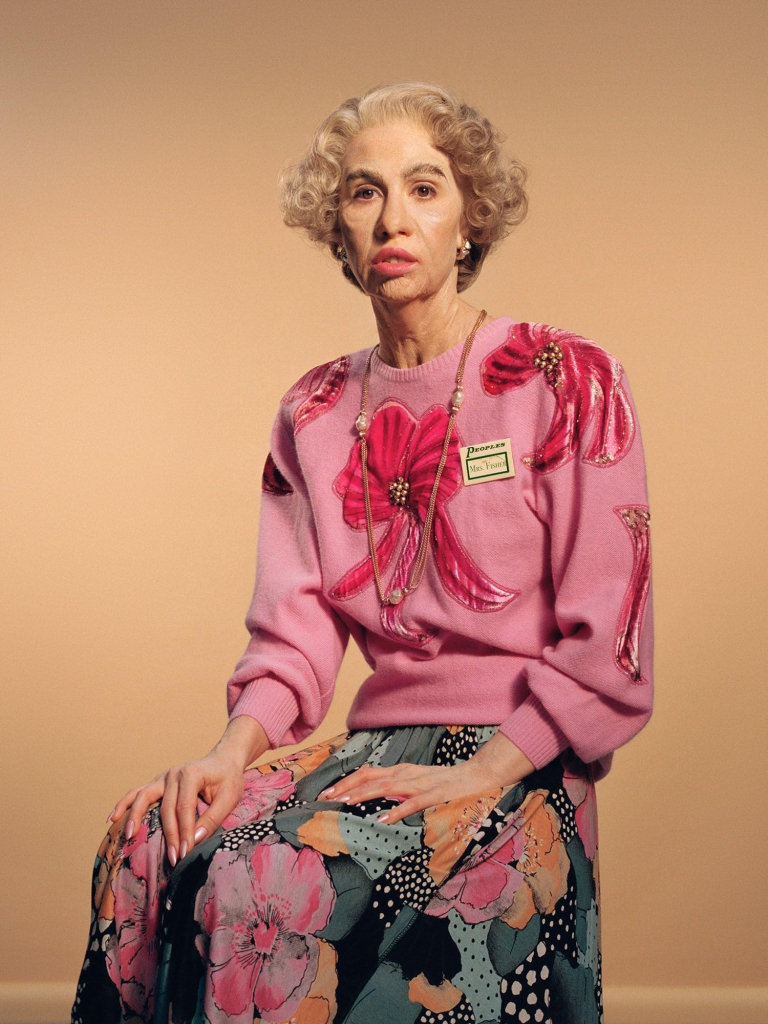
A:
[(414, 333)]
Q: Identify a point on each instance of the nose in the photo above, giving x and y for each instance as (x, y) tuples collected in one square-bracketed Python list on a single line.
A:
[(394, 218)]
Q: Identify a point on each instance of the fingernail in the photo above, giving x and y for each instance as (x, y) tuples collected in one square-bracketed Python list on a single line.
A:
[(109, 816), (183, 850), (129, 829), (172, 855), (325, 792), (384, 817), (344, 798), (200, 833)]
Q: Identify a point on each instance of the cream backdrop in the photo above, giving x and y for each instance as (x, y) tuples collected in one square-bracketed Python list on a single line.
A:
[(155, 309)]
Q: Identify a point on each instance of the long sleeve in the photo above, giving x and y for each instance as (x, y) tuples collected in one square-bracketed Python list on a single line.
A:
[(286, 677), (592, 688)]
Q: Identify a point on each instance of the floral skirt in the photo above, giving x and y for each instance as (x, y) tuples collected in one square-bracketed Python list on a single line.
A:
[(479, 909)]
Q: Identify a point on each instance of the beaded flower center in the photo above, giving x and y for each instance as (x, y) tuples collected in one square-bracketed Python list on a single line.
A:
[(398, 491), (548, 359)]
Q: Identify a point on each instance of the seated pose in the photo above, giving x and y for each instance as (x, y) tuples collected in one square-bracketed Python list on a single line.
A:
[(467, 499)]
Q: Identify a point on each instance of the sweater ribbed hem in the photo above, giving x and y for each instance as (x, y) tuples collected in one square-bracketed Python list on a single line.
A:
[(271, 703), (532, 730)]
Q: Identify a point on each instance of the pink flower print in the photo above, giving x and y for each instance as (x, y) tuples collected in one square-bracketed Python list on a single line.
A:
[(259, 910), (260, 795), (486, 885), (133, 951), (637, 519), (321, 388), (400, 445), (522, 871), (586, 384)]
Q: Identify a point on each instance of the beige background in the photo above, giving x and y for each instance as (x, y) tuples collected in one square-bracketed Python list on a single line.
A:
[(155, 309)]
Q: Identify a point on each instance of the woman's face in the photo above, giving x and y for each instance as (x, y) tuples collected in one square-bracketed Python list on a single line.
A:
[(398, 191)]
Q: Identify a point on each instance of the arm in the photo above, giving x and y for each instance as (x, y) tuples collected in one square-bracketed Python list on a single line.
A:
[(287, 673), (592, 688)]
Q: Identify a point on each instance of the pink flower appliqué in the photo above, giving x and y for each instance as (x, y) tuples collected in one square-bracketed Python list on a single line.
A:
[(586, 383), (259, 909), (272, 480), (637, 519), (400, 445), (321, 388)]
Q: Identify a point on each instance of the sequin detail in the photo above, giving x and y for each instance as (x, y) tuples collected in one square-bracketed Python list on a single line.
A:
[(586, 382), (321, 388), (637, 519)]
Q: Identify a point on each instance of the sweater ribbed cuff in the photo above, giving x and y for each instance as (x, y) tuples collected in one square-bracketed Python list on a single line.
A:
[(271, 703), (533, 730)]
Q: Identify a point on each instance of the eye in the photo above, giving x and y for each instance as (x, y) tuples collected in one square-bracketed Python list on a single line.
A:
[(431, 191)]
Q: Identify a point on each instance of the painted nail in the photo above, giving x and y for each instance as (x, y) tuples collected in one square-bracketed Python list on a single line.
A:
[(129, 829), (109, 816), (172, 855), (200, 833), (325, 792), (344, 798), (183, 850), (384, 817)]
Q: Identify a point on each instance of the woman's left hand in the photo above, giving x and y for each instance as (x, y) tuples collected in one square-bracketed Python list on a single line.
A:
[(418, 786)]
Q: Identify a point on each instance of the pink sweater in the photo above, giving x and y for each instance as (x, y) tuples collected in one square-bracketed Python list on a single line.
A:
[(535, 611)]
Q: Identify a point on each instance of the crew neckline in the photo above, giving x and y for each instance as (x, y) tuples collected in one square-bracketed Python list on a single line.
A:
[(445, 360)]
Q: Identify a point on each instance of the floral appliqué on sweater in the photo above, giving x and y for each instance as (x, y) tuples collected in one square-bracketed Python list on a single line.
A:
[(401, 445), (586, 382), (321, 388)]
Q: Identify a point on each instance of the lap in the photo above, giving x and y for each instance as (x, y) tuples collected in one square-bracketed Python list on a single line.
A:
[(474, 904)]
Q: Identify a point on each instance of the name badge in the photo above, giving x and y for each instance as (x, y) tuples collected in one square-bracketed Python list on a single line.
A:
[(489, 461)]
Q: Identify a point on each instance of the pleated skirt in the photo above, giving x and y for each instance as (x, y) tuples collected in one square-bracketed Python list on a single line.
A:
[(480, 909)]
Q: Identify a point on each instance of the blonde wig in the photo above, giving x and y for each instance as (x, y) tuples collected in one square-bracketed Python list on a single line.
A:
[(493, 184)]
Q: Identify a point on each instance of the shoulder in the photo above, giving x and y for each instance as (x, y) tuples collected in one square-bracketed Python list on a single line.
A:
[(560, 357), (316, 391), (331, 375)]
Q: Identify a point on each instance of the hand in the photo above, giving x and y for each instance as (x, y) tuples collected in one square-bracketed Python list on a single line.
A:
[(217, 777), (418, 786)]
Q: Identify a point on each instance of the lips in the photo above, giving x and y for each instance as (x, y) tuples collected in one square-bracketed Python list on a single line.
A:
[(403, 256)]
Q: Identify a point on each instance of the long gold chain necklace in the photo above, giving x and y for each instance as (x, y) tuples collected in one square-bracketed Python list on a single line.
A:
[(398, 489)]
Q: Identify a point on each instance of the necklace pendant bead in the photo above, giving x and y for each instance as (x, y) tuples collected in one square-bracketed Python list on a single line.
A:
[(396, 596), (457, 398), (361, 423)]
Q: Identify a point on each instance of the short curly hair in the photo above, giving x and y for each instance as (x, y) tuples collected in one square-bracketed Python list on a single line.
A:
[(493, 184)]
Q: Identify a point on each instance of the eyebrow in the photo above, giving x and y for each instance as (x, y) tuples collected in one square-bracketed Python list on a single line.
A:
[(409, 172)]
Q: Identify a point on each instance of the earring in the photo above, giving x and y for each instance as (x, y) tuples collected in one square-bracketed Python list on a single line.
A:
[(341, 253), (464, 250)]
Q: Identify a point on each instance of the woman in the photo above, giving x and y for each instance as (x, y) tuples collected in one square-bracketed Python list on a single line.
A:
[(467, 499)]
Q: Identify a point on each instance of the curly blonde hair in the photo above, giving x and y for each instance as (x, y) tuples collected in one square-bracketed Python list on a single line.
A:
[(495, 200)]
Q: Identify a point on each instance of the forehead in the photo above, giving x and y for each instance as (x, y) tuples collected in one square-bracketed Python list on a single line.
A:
[(393, 145)]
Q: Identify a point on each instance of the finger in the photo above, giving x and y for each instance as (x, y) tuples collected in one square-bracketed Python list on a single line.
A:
[(146, 795), (419, 802), (223, 803), (168, 815), (353, 780), (190, 782), (121, 805), (390, 789), (360, 792)]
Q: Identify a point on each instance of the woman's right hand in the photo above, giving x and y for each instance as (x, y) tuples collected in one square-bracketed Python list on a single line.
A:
[(217, 777)]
